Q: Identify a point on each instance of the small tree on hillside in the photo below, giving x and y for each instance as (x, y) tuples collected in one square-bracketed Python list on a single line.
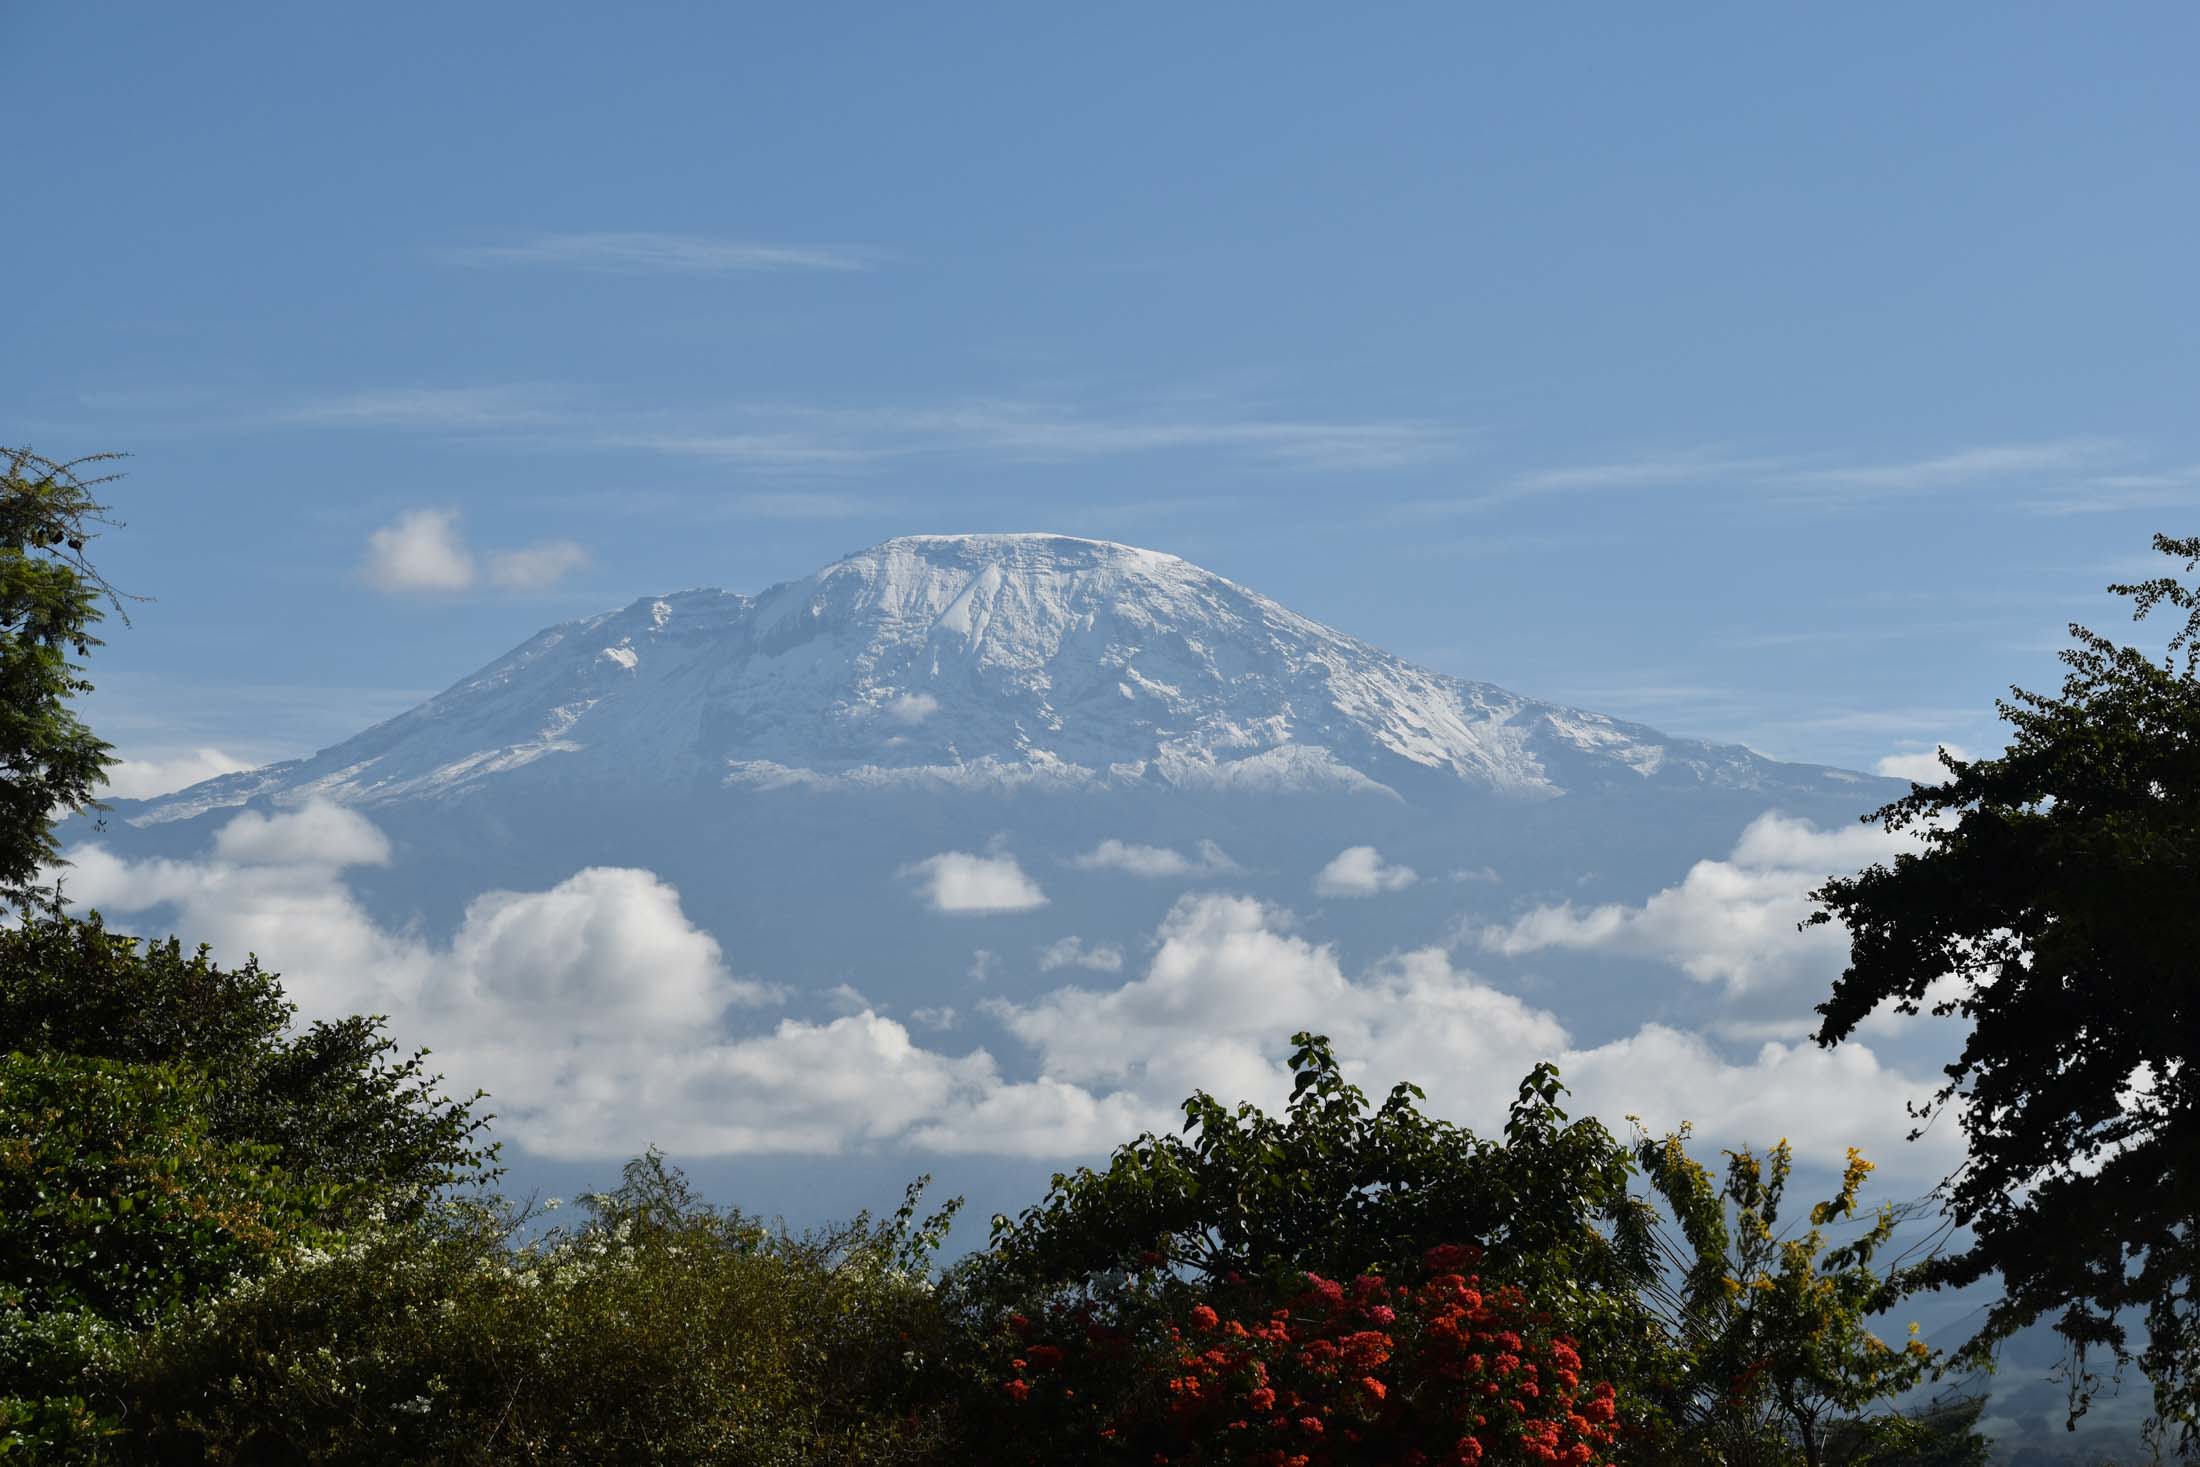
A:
[(1782, 1359)]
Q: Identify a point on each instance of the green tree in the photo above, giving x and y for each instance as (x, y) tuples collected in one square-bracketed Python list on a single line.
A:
[(1337, 1189), (119, 1206), (50, 763), (1782, 1358), (1728, 1342), (164, 1130), (2057, 901), (662, 1329), (334, 1101)]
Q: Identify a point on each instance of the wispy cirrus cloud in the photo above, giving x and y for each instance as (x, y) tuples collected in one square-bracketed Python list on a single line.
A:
[(461, 409), (2003, 464), (2030, 469), (2110, 493), (1612, 476), (796, 436), (641, 252)]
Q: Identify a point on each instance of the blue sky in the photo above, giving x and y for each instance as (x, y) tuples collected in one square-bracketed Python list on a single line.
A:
[(1779, 376)]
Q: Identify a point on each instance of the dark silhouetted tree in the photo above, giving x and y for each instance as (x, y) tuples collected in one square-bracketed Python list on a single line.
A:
[(2057, 901)]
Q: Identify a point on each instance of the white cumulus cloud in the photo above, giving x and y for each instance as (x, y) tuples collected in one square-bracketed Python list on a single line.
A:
[(1919, 768), (421, 551), (601, 1019), (1733, 922), (141, 779), (960, 882), (318, 834), (535, 567), (598, 1016), (1071, 952), (1231, 979), (1360, 871)]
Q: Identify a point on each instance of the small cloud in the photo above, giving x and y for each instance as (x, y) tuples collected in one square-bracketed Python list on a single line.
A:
[(317, 834), (846, 998), (1968, 466), (1071, 952), (1140, 860), (965, 884), (1736, 922), (423, 551), (141, 779), (459, 409), (911, 708), (1919, 768), (1360, 871), (536, 567), (942, 1018), (420, 552), (642, 253)]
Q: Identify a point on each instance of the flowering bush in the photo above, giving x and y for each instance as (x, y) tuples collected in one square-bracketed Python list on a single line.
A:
[(1305, 1372)]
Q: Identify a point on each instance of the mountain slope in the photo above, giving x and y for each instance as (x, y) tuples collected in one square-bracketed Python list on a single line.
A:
[(995, 661)]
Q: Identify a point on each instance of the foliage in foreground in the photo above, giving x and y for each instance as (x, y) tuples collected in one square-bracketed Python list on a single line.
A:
[(663, 1329), (164, 1136), (660, 1330), (338, 1109), (1731, 1342), (1303, 1371), (117, 1205), (2053, 907)]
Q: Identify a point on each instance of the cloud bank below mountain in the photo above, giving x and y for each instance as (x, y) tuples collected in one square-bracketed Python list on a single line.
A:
[(602, 1019)]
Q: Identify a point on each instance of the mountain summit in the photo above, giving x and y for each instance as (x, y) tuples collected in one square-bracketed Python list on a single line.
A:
[(993, 661)]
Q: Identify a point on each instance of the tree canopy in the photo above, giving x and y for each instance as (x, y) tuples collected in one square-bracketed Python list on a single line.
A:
[(165, 1131), (50, 763), (2056, 906)]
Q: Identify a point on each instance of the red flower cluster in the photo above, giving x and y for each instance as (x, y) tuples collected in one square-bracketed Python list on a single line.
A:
[(1442, 1372)]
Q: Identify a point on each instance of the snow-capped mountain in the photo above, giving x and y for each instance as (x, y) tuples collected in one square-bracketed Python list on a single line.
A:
[(1117, 724), (984, 661), (993, 846), (997, 845)]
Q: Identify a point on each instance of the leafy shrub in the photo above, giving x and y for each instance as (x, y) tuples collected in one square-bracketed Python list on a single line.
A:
[(1724, 1339), (661, 1330), (1335, 1190), (1782, 1362), (331, 1099), (118, 1206)]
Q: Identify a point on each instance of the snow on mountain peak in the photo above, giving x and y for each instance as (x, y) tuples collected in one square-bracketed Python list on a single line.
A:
[(964, 660)]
